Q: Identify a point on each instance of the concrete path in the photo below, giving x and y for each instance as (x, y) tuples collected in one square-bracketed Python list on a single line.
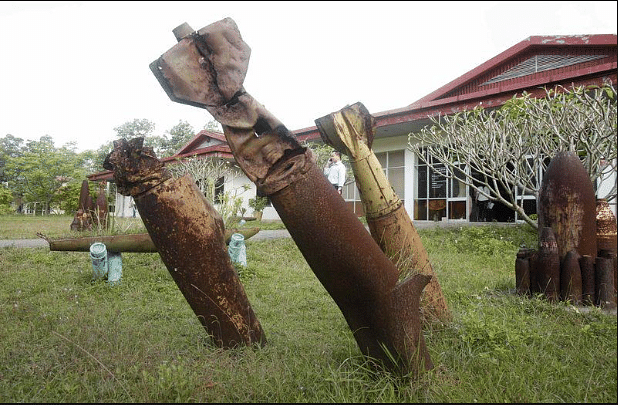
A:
[(36, 243), (265, 234)]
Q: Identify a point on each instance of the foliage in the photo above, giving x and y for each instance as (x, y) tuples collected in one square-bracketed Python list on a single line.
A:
[(176, 138), (208, 173), (322, 152), (67, 339), (509, 148), (10, 148), (135, 129), (487, 240), (39, 170), (213, 125), (141, 128), (258, 203), (6, 197)]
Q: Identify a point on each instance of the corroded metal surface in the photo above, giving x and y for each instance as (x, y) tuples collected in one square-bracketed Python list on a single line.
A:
[(606, 226), (100, 211), (188, 233), (567, 204), (353, 269), (604, 283), (586, 264), (82, 220), (351, 131), (522, 271), (206, 69), (571, 278), (548, 265)]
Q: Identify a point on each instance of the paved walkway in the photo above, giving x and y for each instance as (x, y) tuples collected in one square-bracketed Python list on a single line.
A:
[(265, 234)]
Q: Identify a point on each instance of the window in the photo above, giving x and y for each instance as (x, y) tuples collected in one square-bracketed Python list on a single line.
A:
[(437, 197), (393, 166)]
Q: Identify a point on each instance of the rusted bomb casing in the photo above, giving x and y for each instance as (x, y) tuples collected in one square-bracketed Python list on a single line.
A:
[(398, 238), (81, 219), (610, 254), (522, 271), (350, 265), (188, 233), (606, 226), (84, 193), (586, 265), (351, 131), (604, 283), (522, 275), (548, 265), (100, 214), (533, 260), (571, 278), (606, 234), (567, 204)]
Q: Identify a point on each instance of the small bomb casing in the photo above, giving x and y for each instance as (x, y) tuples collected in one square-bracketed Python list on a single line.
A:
[(548, 265), (571, 278)]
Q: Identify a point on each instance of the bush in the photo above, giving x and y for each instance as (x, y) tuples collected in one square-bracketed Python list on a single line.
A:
[(258, 203), (5, 200)]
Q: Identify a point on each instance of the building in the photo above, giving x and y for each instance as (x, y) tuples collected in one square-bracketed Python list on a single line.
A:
[(533, 64)]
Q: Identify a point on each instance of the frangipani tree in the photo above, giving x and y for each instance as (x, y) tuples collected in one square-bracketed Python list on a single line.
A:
[(508, 149)]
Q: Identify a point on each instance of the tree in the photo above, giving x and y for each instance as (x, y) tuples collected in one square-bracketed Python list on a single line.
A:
[(6, 197), (210, 175), (214, 126), (40, 171), (140, 128), (10, 147), (176, 138), (509, 149), (322, 152)]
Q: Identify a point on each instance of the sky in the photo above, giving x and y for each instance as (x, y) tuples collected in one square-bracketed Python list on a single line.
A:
[(77, 70)]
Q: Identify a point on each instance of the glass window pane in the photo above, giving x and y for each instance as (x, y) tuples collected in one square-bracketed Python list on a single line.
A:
[(420, 210), (437, 183), (381, 158), (421, 184), (458, 188), (396, 158), (396, 177), (457, 210)]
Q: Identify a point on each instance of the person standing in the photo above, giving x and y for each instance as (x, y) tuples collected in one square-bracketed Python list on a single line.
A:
[(335, 171), (483, 203)]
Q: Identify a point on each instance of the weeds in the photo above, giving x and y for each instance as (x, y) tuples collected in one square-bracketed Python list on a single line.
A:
[(65, 339)]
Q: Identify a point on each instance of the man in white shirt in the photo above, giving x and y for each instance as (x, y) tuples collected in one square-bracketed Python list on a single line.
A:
[(335, 171), (485, 205)]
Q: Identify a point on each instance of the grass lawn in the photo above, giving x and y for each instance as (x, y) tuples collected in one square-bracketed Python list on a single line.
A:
[(67, 339)]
